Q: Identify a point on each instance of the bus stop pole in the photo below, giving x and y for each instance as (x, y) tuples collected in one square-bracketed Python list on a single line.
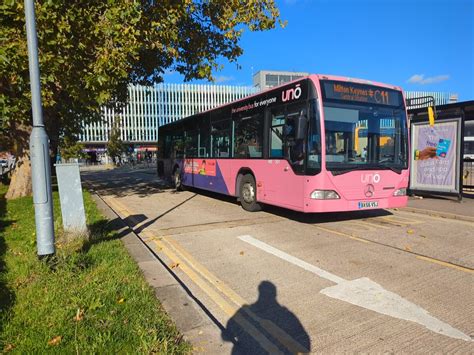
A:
[(39, 147)]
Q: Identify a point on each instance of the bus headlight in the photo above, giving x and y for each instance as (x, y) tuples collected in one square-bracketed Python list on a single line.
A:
[(400, 192), (324, 195)]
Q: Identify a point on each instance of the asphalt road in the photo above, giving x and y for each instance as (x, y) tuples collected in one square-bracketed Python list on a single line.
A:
[(278, 281)]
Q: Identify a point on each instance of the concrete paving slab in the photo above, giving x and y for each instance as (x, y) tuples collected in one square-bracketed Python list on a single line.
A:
[(186, 315), (155, 275), (139, 252)]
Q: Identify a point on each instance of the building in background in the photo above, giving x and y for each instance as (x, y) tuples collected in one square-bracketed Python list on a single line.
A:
[(266, 79), (441, 98), (150, 107)]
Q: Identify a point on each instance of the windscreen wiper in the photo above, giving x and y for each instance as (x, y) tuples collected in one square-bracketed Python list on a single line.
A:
[(397, 170), (348, 170)]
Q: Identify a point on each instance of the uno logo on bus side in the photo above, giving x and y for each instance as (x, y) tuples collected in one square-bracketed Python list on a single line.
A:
[(370, 178), (291, 94)]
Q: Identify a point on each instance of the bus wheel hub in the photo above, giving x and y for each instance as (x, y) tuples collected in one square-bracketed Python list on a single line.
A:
[(248, 192)]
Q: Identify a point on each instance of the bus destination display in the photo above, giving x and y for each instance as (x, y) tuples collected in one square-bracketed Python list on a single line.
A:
[(337, 90)]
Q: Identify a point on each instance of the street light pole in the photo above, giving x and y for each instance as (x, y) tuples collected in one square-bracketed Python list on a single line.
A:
[(39, 147)]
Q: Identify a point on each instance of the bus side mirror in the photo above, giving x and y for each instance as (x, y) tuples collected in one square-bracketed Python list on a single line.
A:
[(301, 126)]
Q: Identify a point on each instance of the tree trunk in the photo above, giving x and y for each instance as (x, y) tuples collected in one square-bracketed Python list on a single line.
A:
[(20, 184)]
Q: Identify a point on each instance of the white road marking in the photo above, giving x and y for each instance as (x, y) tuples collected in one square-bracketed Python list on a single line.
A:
[(365, 293), (291, 259)]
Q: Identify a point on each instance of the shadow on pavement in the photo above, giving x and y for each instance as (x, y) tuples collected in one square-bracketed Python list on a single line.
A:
[(122, 183), (151, 221), (272, 321), (7, 297)]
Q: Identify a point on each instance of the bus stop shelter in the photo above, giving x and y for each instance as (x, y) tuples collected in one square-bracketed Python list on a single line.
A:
[(442, 155)]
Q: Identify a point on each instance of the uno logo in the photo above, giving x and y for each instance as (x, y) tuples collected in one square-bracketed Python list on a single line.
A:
[(291, 94), (370, 178)]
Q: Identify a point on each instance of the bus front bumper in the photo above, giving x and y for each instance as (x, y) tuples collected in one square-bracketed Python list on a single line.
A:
[(342, 205)]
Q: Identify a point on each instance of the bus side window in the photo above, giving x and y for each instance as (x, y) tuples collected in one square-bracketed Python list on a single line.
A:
[(191, 144), (221, 139), (295, 149), (248, 138), (204, 136), (203, 150), (177, 146), (276, 133)]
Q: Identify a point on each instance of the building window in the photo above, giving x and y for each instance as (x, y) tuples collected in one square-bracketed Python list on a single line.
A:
[(285, 79), (271, 80)]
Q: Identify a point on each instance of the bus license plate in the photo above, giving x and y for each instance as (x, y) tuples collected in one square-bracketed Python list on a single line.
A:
[(368, 204)]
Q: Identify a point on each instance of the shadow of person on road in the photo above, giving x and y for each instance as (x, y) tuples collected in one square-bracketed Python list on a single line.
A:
[(266, 327)]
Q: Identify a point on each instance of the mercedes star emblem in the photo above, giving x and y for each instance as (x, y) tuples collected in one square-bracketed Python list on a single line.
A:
[(369, 190)]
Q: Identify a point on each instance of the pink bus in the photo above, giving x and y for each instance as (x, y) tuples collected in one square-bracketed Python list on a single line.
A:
[(318, 144)]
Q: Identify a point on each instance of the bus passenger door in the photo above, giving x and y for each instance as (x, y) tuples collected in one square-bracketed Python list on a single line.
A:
[(284, 185)]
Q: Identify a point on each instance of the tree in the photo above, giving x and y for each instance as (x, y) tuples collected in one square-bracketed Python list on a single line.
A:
[(115, 146), (70, 148), (90, 50)]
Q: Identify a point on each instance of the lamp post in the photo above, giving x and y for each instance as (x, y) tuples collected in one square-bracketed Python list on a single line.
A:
[(39, 147)]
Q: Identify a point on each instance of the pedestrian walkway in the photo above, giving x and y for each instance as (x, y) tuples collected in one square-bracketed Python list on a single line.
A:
[(448, 207)]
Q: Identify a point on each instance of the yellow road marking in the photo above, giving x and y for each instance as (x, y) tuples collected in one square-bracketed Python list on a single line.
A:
[(343, 234), (375, 225), (401, 219), (231, 310), (356, 227), (443, 263), (278, 333), (420, 257), (389, 220), (228, 308)]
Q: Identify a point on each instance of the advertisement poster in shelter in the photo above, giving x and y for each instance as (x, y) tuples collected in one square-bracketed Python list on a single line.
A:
[(434, 158)]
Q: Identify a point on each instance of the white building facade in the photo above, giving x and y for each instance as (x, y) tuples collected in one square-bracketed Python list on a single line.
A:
[(150, 107)]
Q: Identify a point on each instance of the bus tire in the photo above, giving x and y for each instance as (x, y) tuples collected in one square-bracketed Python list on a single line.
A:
[(177, 180), (248, 194)]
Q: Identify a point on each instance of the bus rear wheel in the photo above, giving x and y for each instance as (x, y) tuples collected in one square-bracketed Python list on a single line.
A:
[(248, 194)]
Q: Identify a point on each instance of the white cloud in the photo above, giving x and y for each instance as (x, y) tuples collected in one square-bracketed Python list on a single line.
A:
[(420, 79), (223, 79)]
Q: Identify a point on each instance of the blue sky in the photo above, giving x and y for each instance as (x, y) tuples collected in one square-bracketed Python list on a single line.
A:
[(420, 45)]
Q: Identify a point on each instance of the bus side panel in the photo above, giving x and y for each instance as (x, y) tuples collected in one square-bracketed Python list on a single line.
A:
[(207, 174)]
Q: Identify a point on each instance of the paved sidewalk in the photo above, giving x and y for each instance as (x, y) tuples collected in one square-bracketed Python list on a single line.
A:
[(448, 207)]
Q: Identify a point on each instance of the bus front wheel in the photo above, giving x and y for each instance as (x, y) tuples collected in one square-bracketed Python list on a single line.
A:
[(248, 194)]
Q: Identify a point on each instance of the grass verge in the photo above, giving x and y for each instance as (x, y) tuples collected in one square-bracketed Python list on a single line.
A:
[(90, 298)]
